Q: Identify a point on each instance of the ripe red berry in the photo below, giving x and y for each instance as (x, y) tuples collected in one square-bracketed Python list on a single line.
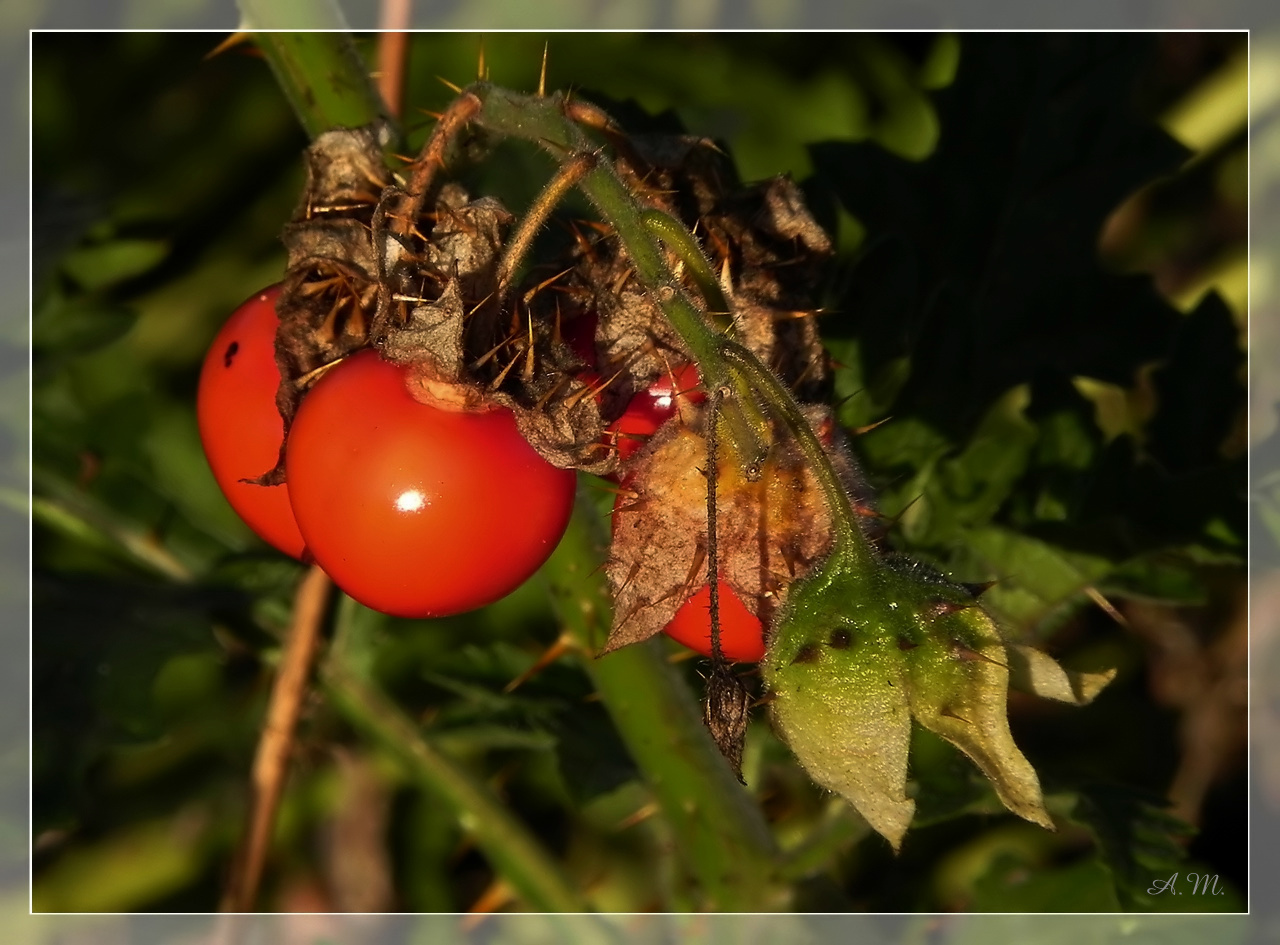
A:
[(415, 510), (741, 636), (240, 427)]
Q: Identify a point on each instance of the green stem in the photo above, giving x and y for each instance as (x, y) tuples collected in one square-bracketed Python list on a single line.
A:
[(718, 829), (848, 542), (323, 77), (516, 855), (681, 242)]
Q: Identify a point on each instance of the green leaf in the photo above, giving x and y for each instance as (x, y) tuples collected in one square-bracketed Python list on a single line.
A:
[(1034, 671), (108, 264), (1033, 577), (79, 325), (126, 870), (1139, 843), (1015, 886)]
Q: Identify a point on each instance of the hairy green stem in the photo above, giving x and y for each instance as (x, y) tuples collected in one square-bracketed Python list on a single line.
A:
[(718, 829), (848, 541), (680, 241), (516, 855), (541, 120)]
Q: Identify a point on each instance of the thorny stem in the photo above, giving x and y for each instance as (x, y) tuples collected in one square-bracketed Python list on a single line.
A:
[(270, 763), (344, 99), (680, 241), (454, 118), (542, 122), (848, 541), (713, 551)]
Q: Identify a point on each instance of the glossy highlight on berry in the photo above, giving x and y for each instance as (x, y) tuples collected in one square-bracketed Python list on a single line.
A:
[(414, 510)]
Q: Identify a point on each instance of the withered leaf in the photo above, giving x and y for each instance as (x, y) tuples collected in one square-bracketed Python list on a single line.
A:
[(725, 709), (769, 531), (1036, 672)]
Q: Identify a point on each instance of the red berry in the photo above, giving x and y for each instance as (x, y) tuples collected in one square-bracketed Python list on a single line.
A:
[(652, 408), (239, 425), (580, 335), (741, 636), (415, 510)]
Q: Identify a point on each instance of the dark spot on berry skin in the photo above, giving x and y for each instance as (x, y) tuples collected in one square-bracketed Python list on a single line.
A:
[(905, 644), (230, 353), (840, 639), (809, 653)]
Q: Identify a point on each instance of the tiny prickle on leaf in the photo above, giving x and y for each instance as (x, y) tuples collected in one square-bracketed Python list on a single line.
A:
[(862, 646)]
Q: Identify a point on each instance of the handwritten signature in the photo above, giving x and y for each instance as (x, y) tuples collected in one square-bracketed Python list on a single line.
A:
[(1202, 884)]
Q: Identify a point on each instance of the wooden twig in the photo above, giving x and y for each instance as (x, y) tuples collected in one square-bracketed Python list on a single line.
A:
[(270, 763)]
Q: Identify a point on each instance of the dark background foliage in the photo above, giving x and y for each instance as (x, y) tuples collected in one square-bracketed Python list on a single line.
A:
[(1023, 296)]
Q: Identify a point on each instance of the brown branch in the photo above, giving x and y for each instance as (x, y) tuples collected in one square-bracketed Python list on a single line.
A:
[(270, 764), (393, 52)]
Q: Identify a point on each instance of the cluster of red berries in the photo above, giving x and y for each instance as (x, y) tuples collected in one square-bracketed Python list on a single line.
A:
[(412, 509)]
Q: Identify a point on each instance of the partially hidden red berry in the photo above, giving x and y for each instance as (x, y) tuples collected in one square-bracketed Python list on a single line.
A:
[(650, 409), (741, 636), (240, 428)]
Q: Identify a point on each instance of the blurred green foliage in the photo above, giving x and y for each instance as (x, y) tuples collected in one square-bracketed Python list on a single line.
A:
[(1049, 422)]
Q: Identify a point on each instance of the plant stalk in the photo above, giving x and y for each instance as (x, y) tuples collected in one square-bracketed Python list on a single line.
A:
[(719, 831)]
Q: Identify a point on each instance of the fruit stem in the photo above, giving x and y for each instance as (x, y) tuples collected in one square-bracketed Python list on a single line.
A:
[(681, 242), (848, 542), (714, 400), (542, 121)]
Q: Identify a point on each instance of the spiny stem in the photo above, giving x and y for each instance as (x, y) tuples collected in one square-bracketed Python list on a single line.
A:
[(323, 77), (713, 551), (680, 241), (542, 121), (848, 540), (454, 118)]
